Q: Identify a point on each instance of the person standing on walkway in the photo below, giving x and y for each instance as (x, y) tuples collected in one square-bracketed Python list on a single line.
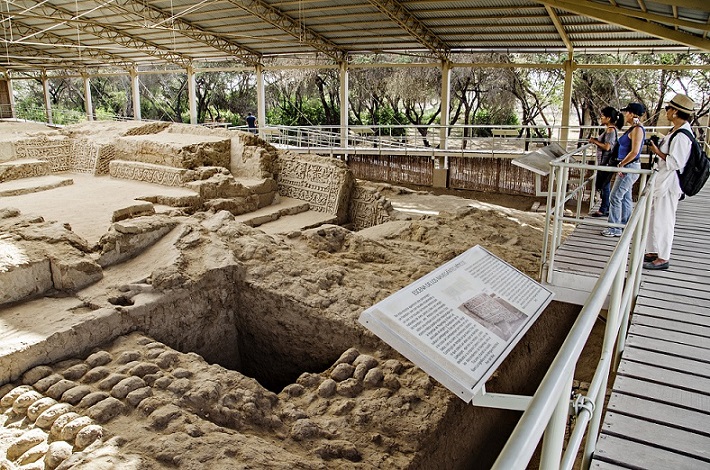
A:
[(620, 201), (612, 120), (251, 123), (672, 156)]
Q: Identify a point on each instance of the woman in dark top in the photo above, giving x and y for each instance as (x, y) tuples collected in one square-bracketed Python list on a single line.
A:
[(620, 202), (611, 120)]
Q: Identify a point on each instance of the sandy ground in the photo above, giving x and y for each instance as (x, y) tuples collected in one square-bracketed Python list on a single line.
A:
[(87, 204)]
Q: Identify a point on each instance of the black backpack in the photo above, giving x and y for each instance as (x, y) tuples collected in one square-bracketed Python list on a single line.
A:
[(696, 170)]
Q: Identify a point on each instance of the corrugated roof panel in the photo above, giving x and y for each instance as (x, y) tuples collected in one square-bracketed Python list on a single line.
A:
[(155, 30)]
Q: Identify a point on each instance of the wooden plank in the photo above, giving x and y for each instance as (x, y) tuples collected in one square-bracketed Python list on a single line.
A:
[(680, 317), (599, 465), (665, 361), (680, 300), (658, 436), (673, 349), (672, 325), (677, 379), (672, 276), (582, 255), (634, 455), (672, 336), (662, 393), (689, 290), (645, 299), (689, 420)]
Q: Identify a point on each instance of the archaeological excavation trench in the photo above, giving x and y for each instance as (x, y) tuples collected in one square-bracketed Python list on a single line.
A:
[(178, 297)]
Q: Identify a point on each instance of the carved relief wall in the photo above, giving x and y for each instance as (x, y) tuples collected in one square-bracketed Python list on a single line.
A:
[(147, 172), (56, 151), (320, 181), (67, 154), (368, 208)]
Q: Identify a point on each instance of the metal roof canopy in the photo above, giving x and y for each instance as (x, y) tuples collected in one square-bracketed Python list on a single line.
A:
[(87, 35)]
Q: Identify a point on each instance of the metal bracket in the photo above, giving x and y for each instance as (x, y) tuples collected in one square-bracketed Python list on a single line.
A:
[(582, 402), (502, 401)]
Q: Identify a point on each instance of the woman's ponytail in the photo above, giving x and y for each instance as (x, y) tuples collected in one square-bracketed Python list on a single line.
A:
[(614, 116)]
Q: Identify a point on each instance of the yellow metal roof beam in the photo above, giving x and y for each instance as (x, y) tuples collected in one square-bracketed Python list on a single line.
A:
[(400, 15), (628, 19), (62, 42), (187, 29), (111, 34), (560, 28), (293, 27)]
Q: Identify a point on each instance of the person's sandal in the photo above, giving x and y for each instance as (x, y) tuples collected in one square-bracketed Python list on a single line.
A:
[(652, 265), (649, 257)]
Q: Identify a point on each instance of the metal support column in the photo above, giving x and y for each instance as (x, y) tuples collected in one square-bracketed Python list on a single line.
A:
[(260, 98), (136, 93), (10, 94), (441, 164), (88, 102), (344, 103), (47, 100), (445, 102), (567, 100), (191, 95)]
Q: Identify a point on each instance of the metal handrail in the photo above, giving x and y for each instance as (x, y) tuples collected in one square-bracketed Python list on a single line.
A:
[(548, 410)]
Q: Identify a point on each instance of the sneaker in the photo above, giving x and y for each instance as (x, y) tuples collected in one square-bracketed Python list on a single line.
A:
[(608, 233)]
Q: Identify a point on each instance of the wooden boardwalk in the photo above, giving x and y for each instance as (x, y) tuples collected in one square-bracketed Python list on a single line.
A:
[(658, 416)]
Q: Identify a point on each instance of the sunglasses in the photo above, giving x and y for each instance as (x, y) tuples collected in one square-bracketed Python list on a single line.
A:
[(668, 108)]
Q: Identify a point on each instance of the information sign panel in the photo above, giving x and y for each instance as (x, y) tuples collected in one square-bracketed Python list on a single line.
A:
[(539, 161), (460, 321)]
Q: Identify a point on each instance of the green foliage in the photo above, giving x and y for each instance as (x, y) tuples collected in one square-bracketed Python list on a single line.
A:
[(305, 113), (484, 117), (386, 116)]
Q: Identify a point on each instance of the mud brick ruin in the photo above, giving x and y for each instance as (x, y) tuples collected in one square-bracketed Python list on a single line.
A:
[(173, 296)]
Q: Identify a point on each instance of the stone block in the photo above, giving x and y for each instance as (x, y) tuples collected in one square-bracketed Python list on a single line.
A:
[(24, 280), (73, 274), (135, 210), (128, 238), (175, 150), (237, 205), (27, 168)]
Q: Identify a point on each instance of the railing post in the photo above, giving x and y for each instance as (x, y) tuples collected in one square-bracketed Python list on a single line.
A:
[(553, 440), (613, 318)]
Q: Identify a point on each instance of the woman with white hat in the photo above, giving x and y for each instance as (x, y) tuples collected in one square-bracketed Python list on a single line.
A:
[(672, 156), (620, 202)]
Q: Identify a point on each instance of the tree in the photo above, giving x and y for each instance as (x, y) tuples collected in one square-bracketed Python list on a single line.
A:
[(164, 96), (417, 91), (538, 92)]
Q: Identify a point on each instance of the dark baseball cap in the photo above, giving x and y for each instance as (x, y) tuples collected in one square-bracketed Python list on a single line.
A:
[(635, 108)]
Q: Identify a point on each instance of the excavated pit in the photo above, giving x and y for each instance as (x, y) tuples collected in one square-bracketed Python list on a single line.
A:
[(175, 335)]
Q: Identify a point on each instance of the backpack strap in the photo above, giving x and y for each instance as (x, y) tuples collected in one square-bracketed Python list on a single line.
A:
[(685, 132), (690, 136)]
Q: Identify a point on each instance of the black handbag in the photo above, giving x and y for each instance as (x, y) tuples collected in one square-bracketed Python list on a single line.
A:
[(610, 158), (613, 157)]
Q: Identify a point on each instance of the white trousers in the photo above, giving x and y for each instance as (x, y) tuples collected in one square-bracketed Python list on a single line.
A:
[(661, 225)]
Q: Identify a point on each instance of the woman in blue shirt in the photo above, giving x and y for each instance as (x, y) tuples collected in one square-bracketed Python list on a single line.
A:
[(620, 202)]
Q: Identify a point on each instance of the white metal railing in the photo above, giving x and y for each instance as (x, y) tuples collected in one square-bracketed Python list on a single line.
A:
[(460, 139), (549, 409), (420, 139)]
